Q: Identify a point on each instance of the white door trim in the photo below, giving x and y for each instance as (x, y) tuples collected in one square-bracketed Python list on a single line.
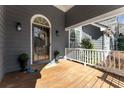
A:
[(110, 14), (50, 33)]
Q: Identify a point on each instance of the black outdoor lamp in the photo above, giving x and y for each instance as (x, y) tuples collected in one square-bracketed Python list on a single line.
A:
[(18, 26)]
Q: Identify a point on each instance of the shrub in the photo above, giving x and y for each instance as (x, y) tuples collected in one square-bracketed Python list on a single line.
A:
[(23, 59), (121, 43), (56, 53), (86, 43)]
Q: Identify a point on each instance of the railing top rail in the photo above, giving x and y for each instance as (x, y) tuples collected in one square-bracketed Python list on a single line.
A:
[(86, 49), (116, 51), (93, 49)]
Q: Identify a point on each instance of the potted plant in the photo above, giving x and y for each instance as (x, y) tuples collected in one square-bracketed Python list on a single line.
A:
[(23, 60), (56, 53)]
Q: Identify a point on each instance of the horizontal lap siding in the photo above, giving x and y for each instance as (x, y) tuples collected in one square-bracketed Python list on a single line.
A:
[(98, 44), (16, 42), (2, 42), (19, 42)]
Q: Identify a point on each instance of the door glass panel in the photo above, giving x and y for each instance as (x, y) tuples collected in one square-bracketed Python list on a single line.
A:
[(40, 43)]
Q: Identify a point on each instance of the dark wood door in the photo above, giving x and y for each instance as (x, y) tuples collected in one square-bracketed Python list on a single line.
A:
[(40, 43)]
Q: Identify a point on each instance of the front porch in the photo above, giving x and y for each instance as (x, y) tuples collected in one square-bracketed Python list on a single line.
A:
[(66, 74)]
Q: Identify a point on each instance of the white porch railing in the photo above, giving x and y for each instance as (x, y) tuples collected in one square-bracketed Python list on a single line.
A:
[(112, 61)]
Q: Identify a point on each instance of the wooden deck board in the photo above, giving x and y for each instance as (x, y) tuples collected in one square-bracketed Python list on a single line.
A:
[(92, 80), (66, 74)]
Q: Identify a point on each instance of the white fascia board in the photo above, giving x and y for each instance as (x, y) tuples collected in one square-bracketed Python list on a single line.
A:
[(101, 27)]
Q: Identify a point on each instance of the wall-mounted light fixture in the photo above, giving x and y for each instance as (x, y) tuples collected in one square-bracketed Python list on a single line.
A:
[(18, 26), (57, 33)]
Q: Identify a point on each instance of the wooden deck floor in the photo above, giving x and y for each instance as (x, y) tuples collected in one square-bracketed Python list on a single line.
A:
[(66, 74)]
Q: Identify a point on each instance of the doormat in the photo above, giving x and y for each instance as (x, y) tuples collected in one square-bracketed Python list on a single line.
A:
[(30, 70)]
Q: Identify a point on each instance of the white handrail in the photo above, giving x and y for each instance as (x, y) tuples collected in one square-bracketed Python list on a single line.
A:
[(112, 61)]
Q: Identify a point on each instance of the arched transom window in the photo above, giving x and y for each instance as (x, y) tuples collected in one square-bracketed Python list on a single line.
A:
[(41, 21)]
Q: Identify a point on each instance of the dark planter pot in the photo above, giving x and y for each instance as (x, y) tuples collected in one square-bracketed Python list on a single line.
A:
[(23, 65), (23, 61)]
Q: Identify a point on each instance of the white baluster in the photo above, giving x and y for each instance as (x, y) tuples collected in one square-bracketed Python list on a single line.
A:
[(85, 57), (114, 59), (119, 60), (109, 60)]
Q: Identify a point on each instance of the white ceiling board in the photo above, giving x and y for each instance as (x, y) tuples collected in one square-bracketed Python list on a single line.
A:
[(64, 8)]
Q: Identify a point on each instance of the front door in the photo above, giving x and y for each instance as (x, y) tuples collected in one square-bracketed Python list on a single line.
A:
[(40, 43)]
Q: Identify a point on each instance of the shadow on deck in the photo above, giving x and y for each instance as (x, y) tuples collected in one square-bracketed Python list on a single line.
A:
[(22, 79)]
